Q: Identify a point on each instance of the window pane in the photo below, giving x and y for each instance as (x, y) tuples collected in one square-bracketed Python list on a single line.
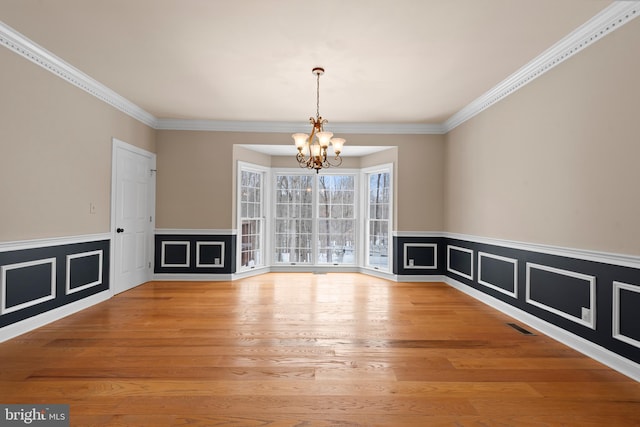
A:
[(378, 211), (251, 243), (250, 216), (336, 233), (348, 211), (333, 216), (378, 244), (294, 221), (336, 242)]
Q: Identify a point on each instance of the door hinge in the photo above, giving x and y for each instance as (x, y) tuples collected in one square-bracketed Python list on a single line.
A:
[(149, 264)]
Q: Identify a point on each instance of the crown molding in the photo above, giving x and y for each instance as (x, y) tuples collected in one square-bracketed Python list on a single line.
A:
[(28, 49), (292, 127), (608, 20), (228, 126), (389, 128)]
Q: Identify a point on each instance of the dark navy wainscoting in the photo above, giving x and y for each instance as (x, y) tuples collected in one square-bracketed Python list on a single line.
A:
[(36, 280), (195, 254), (597, 301), (419, 255), (556, 289)]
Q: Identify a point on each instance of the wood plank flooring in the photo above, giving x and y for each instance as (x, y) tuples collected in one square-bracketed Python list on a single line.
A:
[(293, 349)]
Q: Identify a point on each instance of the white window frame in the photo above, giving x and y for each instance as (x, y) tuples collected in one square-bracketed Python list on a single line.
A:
[(364, 203), (265, 247), (356, 210), (315, 216), (274, 175)]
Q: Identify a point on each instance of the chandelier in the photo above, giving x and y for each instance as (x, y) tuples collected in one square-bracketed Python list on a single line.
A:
[(312, 153)]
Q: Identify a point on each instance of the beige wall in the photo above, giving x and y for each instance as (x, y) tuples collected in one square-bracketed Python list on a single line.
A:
[(55, 153), (196, 167), (420, 183), (556, 162)]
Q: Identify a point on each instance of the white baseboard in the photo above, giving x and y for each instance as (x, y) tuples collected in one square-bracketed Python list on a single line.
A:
[(170, 277), (421, 278), (27, 325), (377, 273), (250, 273), (594, 351)]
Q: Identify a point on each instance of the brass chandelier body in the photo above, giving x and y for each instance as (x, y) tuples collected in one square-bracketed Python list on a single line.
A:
[(312, 153)]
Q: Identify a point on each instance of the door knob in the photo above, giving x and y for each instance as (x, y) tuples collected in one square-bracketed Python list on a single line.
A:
[(119, 230)]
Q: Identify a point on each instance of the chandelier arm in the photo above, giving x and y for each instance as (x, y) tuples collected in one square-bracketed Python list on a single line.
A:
[(310, 141), (337, 159)]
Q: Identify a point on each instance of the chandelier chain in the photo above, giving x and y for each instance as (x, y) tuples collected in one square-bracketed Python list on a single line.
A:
[(318, 96)]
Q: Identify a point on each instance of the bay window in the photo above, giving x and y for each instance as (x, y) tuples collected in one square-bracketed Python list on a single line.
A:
[(336, 218), (315, 220)]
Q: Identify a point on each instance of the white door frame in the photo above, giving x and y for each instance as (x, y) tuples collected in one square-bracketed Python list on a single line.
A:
[(117, 145)]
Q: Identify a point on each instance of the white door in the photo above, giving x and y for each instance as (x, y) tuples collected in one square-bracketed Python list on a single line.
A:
[(134, 185)]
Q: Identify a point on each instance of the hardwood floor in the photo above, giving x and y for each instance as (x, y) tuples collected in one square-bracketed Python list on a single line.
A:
[(313, 350)]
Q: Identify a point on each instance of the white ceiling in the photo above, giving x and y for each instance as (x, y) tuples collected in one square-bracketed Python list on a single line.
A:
[(387, 61)]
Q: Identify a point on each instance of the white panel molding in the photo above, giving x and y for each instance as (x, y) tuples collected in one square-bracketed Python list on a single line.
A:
[(195, 232), (221, 259), (617, 287), (608, 20), (512, 261), (590, 280), (3, 284), (166, 243), (96, 282), (459, 249), (408, 245), (601, 354), (28, 49)]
